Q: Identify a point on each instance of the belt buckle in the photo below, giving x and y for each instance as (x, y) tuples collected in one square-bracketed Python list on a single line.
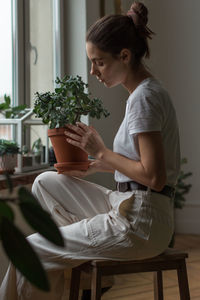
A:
[(123, 187)]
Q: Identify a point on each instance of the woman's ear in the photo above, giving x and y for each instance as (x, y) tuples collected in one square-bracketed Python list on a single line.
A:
[(125, 55)]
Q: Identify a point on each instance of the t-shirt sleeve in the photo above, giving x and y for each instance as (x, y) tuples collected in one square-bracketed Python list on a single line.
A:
[(144, 113)]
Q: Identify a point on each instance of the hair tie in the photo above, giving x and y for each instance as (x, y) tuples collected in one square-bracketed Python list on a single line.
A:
[(134, 17), (140, 24)]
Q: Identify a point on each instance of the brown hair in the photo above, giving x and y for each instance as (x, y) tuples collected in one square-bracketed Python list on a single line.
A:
[(113, 33)]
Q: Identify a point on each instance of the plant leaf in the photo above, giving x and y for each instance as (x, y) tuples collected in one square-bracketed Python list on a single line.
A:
[(41, 221), (38, 218), (26, 195), (6, 211), (22, 255), (7, 100)]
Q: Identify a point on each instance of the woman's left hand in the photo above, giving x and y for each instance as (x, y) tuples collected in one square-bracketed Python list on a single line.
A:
[(86, 138), (94, 167)]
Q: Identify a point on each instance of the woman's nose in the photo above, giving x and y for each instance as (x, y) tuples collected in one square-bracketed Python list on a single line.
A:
[(93, 70)]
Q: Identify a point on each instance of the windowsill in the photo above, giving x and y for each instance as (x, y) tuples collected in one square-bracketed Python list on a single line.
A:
[(23, 178)]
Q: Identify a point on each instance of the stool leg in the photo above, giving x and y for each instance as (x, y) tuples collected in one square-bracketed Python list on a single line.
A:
[(96, 284), (75, 283), (183, 281), (158, 286)]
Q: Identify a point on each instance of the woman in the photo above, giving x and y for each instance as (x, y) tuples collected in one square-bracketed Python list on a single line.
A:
[(136, 220)]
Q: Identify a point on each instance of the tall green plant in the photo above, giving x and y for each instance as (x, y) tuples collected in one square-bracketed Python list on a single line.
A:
[(67, 103)]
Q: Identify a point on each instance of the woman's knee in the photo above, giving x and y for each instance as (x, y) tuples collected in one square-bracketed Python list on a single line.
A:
[(42, 179)]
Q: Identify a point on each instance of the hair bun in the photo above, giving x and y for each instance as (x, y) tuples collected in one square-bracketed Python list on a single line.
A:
[(141, 13)]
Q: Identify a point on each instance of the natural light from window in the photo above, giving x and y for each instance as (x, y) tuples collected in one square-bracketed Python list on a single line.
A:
[(5, 49), (5, 59)]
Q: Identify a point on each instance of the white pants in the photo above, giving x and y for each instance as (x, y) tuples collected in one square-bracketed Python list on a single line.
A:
[(96, 223)]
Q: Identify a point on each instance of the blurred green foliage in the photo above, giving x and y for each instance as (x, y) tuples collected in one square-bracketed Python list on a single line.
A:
[(11, 111), (14, 242), (182, 188)]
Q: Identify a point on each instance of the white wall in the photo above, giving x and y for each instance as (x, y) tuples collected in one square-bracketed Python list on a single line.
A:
[(75, 25), (75, 28), (175, 60)]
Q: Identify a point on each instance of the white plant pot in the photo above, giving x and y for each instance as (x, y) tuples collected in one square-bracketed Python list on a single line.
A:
[(8, 162)]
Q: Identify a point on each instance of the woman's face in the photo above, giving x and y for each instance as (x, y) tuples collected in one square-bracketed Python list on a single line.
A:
[(107, 69)]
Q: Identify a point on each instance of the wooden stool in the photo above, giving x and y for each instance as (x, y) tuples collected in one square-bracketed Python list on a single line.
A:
[(169, 260)]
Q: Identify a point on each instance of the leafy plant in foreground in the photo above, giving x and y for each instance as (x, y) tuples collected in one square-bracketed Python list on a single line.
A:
[(15, 244)]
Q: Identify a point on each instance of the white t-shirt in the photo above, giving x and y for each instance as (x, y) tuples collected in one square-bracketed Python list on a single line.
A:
[(149, 108)]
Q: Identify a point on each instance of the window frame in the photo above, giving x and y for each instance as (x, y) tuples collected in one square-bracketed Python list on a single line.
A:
[(21, 48), (58, 38), (18, 74)]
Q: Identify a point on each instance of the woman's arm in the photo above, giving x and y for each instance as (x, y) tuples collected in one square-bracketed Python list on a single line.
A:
[(149, 171)]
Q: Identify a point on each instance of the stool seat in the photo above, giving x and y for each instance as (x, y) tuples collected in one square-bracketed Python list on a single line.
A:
[(170, 259)]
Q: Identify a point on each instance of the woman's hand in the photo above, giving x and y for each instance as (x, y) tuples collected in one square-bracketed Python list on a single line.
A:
[(94, 167), (86, 138)]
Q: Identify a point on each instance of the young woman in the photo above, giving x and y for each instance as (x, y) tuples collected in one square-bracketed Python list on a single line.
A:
[(136, 220)]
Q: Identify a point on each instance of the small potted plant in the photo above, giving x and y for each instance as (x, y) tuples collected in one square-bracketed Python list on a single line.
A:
[(66, 105), (37, 150), (8, 156)]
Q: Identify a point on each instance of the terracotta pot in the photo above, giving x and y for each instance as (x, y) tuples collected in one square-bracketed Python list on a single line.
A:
[(8, 162), (68, 157)]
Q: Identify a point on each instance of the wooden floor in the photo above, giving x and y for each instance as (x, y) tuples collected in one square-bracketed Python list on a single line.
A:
[(140, 286)]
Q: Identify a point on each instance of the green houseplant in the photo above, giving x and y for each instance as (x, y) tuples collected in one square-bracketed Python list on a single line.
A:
[(37, 150), (181, 189), (11, 111), (8, 156), (66, 105)]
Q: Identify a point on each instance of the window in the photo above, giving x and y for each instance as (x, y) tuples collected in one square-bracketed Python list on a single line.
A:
[(5, 49), (44, 42), (31, 53), (5, 57), (41, 47)]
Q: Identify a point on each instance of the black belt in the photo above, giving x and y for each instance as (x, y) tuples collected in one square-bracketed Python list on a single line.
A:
[(132, 185)]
